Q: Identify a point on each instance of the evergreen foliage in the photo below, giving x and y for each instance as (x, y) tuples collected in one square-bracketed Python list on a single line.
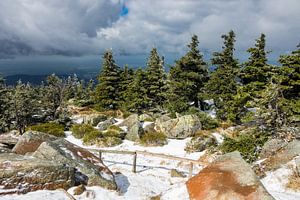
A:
[(107, 93), (187, 79), (137, 99), (4, 106), (222, 85), (156, 79), (23, 105)]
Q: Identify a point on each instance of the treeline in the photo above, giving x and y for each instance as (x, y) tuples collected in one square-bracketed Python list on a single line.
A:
[(254, 91)]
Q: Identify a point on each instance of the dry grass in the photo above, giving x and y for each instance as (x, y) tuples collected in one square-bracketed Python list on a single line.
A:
[(294, 181)]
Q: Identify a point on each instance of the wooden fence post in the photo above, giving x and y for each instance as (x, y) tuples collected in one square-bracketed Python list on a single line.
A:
[(100, 155), (191, 170), (134, 163)]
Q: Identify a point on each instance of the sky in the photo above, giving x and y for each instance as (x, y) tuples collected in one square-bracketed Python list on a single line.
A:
[(89, 27)]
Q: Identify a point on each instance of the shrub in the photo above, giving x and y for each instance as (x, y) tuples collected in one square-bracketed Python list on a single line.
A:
[(154, 139), (114, 127), (248, 144), (79, 130), (99, 118), (50, 128), (91, 137), (207, 121), (108, 141), (114, 131)]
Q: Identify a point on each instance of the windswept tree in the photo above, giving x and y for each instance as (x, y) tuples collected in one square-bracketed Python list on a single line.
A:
[(187, 78), (222, 85), (54, 95), (107, 92), (156, 79)]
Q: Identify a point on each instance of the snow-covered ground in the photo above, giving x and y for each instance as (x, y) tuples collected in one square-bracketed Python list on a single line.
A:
[(275, 182), (153, 176)]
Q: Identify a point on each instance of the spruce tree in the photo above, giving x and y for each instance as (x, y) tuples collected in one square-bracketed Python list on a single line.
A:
[(107, 92), (254, 76), (289, 80), (127, 76), (137, 99), (4, 106), (23, 105), (156, 79), (54, 95), (187, 78), (222, 85)]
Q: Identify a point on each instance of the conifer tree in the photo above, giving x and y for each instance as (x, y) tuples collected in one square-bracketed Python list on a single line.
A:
[(254, 76), (222, 85), (187, 79), (23, 105), (127, 76), (4, 106), (107, 92), (54, 95), (156, 79), (289, 80), (137, 99)]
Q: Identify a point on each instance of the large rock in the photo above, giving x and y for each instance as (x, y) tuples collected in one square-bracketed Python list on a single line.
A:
[(198, 144), (90, 168), (10, 138), (130, 121), (230, 177), (29, 174), (271, 147), (30, 141), (282, 156), (4, 148), (135, 132), (145, 117), (133, 126), (105, 124), (181, 127)]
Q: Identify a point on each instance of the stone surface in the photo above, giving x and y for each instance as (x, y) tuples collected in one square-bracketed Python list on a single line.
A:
[(134, 127), (94, 171), (145, 117), (29, 174), (150, 128), (181, 127), (229, 177), (198, 144), (271, 147), (281, 157), (105, 124), (130, 121), (30, 141), (10, 138), (4, 148)]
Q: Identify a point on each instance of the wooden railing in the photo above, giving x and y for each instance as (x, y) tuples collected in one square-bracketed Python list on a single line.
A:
[(145, 153)]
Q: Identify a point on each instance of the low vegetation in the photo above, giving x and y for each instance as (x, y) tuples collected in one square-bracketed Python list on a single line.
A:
[(50, 128), (154, 139), (90, 137), (80, 130), (248, 144), (294, 181)]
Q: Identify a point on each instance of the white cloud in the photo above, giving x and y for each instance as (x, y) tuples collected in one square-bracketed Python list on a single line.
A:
[(90, 26)]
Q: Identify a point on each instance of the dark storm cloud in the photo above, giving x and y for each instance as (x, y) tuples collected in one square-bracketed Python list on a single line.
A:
[(75, 27)]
